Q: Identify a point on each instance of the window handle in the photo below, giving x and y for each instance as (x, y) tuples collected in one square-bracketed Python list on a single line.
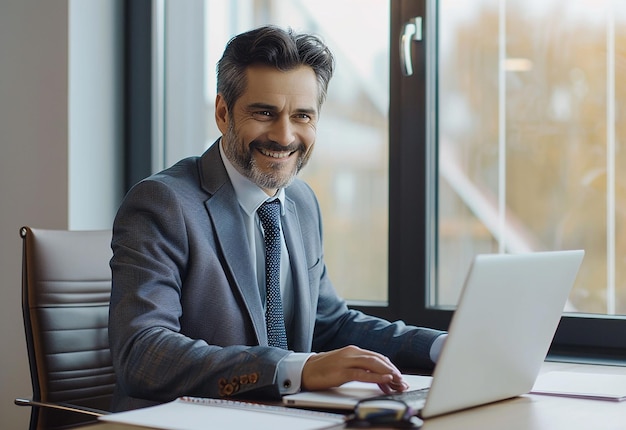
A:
[(412, 31)]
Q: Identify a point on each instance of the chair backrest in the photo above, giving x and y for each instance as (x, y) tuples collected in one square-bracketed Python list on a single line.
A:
[(66, 288)]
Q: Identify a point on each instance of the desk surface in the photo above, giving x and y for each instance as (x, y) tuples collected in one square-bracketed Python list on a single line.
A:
[(526, 412)]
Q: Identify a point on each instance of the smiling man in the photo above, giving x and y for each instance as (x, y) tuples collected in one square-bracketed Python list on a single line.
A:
[(211, 299)]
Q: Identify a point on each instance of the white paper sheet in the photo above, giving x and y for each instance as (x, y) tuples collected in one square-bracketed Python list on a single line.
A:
[(598, 386)]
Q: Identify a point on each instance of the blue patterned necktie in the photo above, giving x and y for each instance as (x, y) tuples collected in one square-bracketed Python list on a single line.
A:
[(269, 213)]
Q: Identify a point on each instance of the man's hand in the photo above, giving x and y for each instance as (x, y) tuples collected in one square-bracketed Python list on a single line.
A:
[(331, 369)]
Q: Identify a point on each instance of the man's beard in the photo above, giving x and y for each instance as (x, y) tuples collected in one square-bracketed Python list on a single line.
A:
[(240, 155)]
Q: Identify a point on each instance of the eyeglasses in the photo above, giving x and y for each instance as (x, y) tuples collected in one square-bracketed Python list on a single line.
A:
[(394, 413)]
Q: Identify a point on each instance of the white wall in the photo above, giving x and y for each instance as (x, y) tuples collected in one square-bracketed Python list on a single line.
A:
[(37, 125)]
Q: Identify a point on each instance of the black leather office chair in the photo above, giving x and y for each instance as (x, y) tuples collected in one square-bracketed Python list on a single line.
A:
[(66, 287)]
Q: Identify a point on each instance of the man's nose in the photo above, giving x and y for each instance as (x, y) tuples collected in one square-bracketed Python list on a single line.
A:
[(282, 131)]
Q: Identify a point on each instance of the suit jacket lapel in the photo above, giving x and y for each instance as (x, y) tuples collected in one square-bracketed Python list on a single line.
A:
[(303, 319), (227, 221)]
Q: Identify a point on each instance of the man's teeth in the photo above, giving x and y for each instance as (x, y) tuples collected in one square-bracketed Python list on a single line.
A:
[(281, 154)]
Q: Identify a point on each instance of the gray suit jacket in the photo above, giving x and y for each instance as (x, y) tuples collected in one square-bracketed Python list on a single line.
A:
[(186, 316)]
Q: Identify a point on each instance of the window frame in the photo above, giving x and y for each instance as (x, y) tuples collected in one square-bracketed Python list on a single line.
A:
[(411, 167), (138, 88)]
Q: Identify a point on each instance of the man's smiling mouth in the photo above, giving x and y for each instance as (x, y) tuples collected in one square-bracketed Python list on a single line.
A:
[(275, 154)]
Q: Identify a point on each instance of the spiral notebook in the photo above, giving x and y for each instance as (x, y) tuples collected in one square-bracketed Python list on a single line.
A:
[(193, 413)]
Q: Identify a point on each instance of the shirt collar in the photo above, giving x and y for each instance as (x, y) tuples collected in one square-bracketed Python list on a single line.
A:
[(249, 195)]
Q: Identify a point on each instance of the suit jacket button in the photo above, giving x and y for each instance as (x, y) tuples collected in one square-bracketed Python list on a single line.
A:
[(253, 378), (228, 390)]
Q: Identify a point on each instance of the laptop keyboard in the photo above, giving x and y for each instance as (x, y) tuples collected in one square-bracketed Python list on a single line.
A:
[(414, 398)]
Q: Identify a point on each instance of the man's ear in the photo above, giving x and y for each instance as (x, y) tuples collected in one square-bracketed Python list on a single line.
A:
[(221, 114)]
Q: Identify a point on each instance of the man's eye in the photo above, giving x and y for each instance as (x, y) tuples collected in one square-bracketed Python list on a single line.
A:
[(303, 116), (263, 115)]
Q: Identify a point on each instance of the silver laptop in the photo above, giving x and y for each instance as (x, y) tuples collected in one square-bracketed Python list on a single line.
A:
[(500, 333)]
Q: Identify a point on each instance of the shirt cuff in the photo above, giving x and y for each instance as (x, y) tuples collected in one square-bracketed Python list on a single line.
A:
[(289, 372), (437, 345)]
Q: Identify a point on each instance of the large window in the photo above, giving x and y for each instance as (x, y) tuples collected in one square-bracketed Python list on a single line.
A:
[(349, 168), (507, 135), (524, 119)]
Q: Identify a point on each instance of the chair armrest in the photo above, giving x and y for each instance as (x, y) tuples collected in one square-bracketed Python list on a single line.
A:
[(61, 406)]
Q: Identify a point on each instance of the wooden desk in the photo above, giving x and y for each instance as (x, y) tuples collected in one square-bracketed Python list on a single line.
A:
[(527, 412), (541, 412)]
